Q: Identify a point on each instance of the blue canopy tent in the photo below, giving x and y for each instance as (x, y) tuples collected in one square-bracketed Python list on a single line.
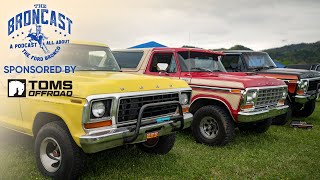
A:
[(150, 44), (279, 65)]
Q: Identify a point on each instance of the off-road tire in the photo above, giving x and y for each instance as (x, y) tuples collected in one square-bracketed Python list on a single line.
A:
[(72, 157), (162, 146), (306, 111), (226, 128), (256, 127)]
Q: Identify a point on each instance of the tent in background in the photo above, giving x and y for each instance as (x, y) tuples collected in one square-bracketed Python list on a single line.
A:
[(279, 65), (150, 44)]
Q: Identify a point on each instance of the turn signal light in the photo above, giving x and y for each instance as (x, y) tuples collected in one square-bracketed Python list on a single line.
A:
[(293, 81), (300, 92), (236, 91), (281, 102), (98, 124), (185, 109), (247, 106)]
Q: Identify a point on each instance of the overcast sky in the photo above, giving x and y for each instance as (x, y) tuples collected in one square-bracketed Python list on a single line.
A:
[(258, 24)]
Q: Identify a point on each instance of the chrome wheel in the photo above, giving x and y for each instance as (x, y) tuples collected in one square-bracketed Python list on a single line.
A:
[(209, 127), (50, 154)]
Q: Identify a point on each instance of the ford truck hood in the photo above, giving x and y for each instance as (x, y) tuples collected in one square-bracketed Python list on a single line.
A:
[(234, 80), (300, 73), (86, 83)]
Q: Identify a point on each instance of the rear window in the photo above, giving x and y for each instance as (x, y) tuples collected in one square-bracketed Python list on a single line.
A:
[(128, 59)]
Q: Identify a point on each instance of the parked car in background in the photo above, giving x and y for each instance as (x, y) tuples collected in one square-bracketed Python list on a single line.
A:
[(108, 109), (314, 67), (221, 101), (303, 85)]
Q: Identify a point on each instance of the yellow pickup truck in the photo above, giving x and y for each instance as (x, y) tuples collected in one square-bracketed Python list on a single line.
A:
[(107, 109)]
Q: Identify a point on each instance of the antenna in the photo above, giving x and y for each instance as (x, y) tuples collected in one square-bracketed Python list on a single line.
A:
[(189, 56)]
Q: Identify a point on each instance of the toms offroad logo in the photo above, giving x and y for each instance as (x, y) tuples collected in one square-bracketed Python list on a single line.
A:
[(18, 88), (39, 29)]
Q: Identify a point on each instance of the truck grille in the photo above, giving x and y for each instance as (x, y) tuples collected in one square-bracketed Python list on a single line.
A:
[(129, 107), (269, 97), (313, 84)]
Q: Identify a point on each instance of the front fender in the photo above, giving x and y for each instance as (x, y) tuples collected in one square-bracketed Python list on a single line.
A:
[(69, 111), (231, 103)]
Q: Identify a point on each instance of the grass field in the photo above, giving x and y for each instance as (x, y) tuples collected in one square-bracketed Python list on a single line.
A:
[(281, 153)]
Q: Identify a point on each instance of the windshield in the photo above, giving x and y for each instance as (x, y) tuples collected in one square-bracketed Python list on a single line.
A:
[(258, 60), (128, 59), (199, 62), (84, 57)]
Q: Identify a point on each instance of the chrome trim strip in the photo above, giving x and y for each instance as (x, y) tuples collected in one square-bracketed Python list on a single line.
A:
[(267, 87), (117, 95), (213, 88)]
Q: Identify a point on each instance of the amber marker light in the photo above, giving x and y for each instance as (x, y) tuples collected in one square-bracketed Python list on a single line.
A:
[(236, 91), (281, 102), (300, 92), (292, 81), (247, 106), (98, 124), (185, 109)]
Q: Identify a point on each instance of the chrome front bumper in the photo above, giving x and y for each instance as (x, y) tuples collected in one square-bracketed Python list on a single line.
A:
[(111, 138), (302, 99), (311, 95), (261, 115)]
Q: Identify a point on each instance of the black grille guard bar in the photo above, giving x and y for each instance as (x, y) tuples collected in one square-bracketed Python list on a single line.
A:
[(138, 125)]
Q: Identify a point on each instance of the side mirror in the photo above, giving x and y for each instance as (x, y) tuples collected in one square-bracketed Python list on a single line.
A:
[(162, 67)]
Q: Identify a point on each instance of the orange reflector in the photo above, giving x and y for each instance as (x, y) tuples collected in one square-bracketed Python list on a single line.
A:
[(293, 81), (152, 135), (238, 91), (98, 124), (300, 92), (281, 102), (247, 106), (185, 109)]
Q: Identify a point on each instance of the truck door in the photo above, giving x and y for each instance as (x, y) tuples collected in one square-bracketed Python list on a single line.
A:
[(10, 113), (166, 57)]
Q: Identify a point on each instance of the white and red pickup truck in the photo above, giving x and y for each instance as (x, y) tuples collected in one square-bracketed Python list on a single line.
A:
[(221, 101)]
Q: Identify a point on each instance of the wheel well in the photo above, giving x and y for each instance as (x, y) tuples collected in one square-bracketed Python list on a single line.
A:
[(42, 119), (205, 102)]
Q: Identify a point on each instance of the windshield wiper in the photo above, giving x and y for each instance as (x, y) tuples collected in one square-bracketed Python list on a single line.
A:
[(203, 69)]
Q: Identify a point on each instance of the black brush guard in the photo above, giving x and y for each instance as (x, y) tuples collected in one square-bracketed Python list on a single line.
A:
[(139, 123)]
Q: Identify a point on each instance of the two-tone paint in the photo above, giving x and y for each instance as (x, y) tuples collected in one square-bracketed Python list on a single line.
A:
[(222, 87)]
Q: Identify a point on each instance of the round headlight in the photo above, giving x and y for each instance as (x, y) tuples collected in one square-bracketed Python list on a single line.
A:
[(98, 109), (184, 99), (303, 85), (251, 96), (285, 93)]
